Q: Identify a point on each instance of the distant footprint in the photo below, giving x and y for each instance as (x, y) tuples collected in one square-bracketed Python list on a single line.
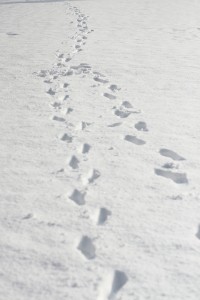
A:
[(78, 197), (94, 175), (85, 148), (169, 153), (179, 178), (100, 80), (74, 162), (87, 247), (133, 139), (122, 114), (59, 119), (109, 96), (66, 138), (115, 124), (114, 88), (141, 126), (51, 92), (104, 213), (127, 104)]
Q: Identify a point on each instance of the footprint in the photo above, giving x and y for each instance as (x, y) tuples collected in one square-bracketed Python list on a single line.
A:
[(115, 124), (179, 178), (78, 197), (69, 110), (112, 284), (104, 213), (134, 140), (169, 153), (68, 59), (100, 80), (51, 92), (87, 247), (66, 138), (170, 166), (86, 148), (74, 162), (122, 114), (59, 119), (95, 174), (114, 88), (109, 96), (127, 104), (56, 105), (141, 126), (198, 233)]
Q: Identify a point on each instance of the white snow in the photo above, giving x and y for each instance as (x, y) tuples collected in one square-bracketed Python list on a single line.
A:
[(99, 135)]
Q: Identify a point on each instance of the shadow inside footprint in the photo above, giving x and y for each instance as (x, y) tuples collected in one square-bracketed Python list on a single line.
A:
[(74, 162), (134, 140), (87, 248), (119, 280), (141, 126), (179, 178), (171, 154), (122, 114), (109, 96), (115, 124), (78, 197), (103, 215)]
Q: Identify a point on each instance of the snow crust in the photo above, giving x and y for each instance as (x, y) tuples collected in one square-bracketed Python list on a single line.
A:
[(99, 150)]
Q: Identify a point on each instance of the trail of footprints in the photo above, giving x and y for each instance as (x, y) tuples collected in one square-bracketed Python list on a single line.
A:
[(56, 79)]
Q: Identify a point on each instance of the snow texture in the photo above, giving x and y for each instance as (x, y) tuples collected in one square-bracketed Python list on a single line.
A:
[(99, 164)]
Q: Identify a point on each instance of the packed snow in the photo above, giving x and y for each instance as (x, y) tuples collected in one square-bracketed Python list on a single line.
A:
[(99, 168)]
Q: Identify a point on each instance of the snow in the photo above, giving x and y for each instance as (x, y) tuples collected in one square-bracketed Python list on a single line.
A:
[(99, 137)]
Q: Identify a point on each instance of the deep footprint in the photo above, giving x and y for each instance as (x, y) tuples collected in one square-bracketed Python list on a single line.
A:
[(87, 248), (119, 280), (78, 197), (103, 215), (179, 178), (122, 114), (171, 154), (66, 138), (115, 124), (86, 148), (109, 96), (134, 140), (95, 174), (141, 126), (59, 119), (74, 162)]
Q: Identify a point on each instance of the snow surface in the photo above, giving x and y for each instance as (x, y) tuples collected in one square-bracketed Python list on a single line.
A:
[(99, 136)]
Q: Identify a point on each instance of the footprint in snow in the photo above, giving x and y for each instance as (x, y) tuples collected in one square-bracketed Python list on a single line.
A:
[(66, 138), (115, 124), (74, 162), (171, 154), (51, 92), (114, 88), (104, 81), (122, 114), (94, 174), (133, 139), (59, 119), (87, 247), (78, 197), (141, 126), (109, 96), (179, 178), (113, 283), (85, 148), (104, 213)]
